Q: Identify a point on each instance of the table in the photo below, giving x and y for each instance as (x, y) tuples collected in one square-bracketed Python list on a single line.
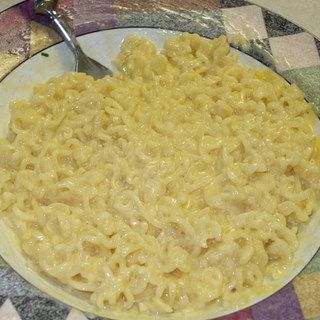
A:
[(305, 14)]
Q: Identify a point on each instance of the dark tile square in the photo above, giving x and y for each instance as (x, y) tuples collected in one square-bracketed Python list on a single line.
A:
[(12, 284), (317, 45), (261, 51), (278, 26), (38, 308), (233, 3), (2, 299), (307, 79)]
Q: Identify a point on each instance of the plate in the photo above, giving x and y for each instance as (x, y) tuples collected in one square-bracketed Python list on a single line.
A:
[(270, 38)]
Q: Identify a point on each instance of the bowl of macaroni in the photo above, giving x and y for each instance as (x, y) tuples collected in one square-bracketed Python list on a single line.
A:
[(185, 185)]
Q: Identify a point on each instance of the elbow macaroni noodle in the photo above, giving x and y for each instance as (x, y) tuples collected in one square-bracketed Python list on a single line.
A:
[(179, 182)]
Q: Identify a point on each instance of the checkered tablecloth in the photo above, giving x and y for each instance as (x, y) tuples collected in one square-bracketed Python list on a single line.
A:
[(295, 56)]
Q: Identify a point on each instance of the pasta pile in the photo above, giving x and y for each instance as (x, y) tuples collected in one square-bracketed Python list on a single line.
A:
[(180, 182)]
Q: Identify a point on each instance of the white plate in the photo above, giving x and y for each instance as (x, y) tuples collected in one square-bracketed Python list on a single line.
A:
[(104, 46)]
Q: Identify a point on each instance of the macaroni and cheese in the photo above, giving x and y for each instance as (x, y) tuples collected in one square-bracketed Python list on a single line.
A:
[(181, 181)]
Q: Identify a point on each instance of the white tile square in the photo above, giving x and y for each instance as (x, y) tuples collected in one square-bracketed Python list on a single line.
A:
[(294, 51), (247, 21), (8, 311), (75, 314)]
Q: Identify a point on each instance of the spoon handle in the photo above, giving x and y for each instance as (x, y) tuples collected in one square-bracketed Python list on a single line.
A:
[(59, 24)]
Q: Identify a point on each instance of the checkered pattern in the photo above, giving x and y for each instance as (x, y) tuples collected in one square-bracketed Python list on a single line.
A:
[(275, 41)]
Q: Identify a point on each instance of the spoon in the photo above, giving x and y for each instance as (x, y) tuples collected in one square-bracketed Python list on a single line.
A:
[(83, 62)]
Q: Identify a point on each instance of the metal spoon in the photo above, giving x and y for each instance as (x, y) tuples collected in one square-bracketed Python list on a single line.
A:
[(83, 62)]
